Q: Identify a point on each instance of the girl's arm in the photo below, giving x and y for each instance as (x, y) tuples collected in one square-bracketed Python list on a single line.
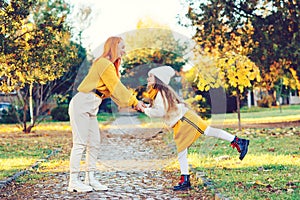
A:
[(157, 110)]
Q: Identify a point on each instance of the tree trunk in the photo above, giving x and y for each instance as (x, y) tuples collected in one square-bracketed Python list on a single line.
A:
[(24, 117), (32, 119), (238, 109), (31, 103), (280, 93)]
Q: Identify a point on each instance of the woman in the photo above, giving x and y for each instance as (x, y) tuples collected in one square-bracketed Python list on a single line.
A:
[(102, 81), (187, 125)]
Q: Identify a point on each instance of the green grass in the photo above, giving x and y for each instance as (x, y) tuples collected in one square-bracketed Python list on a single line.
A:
[(271, 169), (106, 117), (19, 151), (145, 119), (249, 115), (266, 182), (257, 112), (284, 108)]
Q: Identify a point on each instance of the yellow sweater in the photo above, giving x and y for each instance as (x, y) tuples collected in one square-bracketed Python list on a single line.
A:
[(102, 76)]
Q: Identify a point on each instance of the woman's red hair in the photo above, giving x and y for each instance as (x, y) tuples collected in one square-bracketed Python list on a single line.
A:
[(110, 51)]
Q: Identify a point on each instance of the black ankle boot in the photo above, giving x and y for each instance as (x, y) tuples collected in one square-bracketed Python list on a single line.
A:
[(241, 145), (184, 183)]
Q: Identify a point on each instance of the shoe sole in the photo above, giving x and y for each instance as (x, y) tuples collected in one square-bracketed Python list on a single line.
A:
[(74, 190), (243, 154), (100, 189), (183, 189)]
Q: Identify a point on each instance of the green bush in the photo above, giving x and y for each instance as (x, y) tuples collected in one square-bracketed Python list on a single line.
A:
[(60, 113), (266, 101), (10, 116)]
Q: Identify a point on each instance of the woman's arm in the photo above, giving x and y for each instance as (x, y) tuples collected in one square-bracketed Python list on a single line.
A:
[(119, 93)]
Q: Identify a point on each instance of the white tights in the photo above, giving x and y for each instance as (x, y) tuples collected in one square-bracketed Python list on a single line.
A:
[(218, 133), (210, 131), (183, 162)]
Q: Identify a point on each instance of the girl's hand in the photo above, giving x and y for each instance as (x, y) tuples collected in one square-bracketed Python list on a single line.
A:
[(140, 106)]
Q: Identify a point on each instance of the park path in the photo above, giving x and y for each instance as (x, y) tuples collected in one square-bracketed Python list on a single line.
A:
[(131, 163)]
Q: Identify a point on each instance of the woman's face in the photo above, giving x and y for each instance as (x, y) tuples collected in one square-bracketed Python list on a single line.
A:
[(121, 49), (151, 80)]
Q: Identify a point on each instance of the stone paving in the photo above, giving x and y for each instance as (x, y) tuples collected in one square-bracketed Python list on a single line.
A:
[(131, 163)]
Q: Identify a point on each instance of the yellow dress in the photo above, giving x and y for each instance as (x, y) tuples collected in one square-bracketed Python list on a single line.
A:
[(188, 129)]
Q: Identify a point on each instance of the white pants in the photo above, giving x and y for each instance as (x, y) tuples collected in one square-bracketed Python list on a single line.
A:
[(83, 110)]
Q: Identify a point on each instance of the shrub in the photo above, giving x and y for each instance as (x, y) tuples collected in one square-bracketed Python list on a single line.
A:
[(10, 116), (60, 113), (266, 101)]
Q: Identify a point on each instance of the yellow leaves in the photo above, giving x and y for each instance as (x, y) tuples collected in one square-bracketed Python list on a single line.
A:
[(198, 97), (148, 22), (63, 37), (281, 70), (21, 76), (190, 75), (293, 72), (151, 35), (238, 70), (206, 88), (295, 83), (258, 182), (285, 81)]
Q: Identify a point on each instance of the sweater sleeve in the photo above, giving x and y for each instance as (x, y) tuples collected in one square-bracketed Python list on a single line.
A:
[(119, 93), (158, 108)]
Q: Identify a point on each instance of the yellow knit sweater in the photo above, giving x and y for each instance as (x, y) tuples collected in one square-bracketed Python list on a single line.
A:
[(102, 76)]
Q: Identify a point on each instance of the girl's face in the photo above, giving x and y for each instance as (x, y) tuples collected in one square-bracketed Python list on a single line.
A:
[(151, 80), (121, 49)]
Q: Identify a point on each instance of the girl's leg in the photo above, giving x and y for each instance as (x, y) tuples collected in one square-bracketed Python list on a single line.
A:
[(183, 162), (240, 144), (218, 133), (184, 183)]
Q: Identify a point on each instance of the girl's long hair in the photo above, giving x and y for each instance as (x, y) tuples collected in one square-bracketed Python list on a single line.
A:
[(167, 93), (110, 51)]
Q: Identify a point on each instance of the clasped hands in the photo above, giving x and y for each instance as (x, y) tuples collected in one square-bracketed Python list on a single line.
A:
[(140, 106)]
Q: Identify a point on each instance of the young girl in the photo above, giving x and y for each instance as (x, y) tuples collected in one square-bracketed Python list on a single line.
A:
[(187, 125)]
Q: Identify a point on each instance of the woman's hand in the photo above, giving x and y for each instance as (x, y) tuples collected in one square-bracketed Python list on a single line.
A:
[(140, 106)]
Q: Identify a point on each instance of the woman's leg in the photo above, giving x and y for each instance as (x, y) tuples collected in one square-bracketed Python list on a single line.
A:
[(93, 144), (93, 147), (79, 121)]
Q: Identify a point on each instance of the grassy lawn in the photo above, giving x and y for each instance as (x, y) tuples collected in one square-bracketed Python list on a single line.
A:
[(19, 151), (271, 170), (287, 113)]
